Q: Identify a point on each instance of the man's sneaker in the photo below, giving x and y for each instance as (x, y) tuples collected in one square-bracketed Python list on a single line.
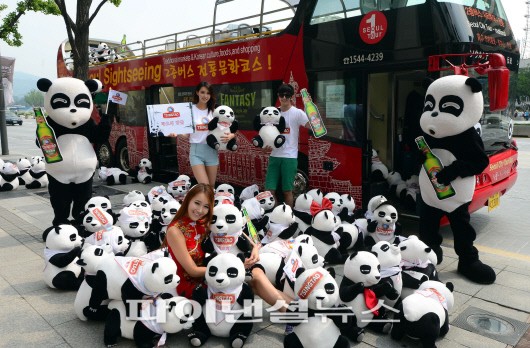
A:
[(288, 329)]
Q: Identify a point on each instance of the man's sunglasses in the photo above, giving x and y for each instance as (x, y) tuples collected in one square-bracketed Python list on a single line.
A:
[(284, 95)]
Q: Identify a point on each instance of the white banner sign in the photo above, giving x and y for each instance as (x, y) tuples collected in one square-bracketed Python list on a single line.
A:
[(170, 119)]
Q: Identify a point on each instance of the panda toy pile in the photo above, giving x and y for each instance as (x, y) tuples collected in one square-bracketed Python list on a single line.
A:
[(69, 105), (424, 315), (225, 276), (113, 175), (24, 165), (38, 175), (325, 326), (453, 105), (63, 247), (9, 177), (222, 124), (143, 172), (270, 124)]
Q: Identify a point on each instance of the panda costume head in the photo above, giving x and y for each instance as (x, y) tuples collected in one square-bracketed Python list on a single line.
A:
[(453, 104)]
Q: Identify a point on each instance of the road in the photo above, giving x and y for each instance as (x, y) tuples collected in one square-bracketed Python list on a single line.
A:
[(501, 231)]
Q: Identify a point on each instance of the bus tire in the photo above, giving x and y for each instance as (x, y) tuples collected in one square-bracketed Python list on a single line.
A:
[(104, 154), (122, 155), (301, 183)]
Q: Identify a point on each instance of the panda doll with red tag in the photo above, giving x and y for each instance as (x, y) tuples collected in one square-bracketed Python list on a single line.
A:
[(453, 105), (222, 124)]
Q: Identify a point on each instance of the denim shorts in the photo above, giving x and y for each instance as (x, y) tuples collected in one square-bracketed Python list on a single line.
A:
[(203, 154)]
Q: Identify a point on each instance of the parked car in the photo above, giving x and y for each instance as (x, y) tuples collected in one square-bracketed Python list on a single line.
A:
[(12, 118)]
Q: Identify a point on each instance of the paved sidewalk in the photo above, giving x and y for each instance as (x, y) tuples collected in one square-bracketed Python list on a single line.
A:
[(34, 315)]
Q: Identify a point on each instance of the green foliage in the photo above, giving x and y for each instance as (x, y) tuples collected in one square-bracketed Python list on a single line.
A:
[(9, 27), (34, 98), (522, 86)]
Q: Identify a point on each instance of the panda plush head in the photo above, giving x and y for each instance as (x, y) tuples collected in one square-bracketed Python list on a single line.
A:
[(141, 205), (97, 219), (309, 255), (145, 163), (363, 267), (416, 252), (266, 200), (385, 214), (161, 276), (159, 201), (225, 271), (316, 286), (168, 211), (92, 256), (63, 238), (133, 196), (101, 202), (324, 220), (224, 114), (227, 191), (453, 104), (282, 215), (35, 159), (179, 314), (336, 201), (227, 220), (68, 100), (303, 239), (303, 203), (38, 166), (23, 164), (389, 255), (134, 222), (348, 203), (249, 192), (180, 186), (317, 195), (155, 192), (253, 208), (270, 115), (10, 168)]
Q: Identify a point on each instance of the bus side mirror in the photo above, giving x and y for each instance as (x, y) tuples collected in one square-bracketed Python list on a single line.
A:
[(498, 85)]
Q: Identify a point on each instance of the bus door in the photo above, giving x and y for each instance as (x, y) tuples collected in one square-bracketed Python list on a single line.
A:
[(163, 150)]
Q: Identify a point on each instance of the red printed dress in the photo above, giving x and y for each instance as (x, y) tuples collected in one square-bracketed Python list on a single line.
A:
[(194, 234)]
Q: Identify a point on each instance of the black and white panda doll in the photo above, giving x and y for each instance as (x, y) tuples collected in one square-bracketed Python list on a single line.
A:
[(418, 264), (424, 315), (143, 172), (24, 165), (9, 177), (328, 325), (222, 124), (157, 233), (62, 250), (270, 124), (225, 276), (133, 196), (256, 215), (69, 105), (101, 202), (282, 224), (157, 319), (348, 212), (226, 192), (389, 256), (104, 232), (113, 176), (38, 175), (135, 224), (384, 225), (302, 212), (179, 187), (266, 200), (453, 105)]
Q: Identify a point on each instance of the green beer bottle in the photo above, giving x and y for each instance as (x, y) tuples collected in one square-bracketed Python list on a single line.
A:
[(251, 228), (312, 113), (46, 136), (433, 166)]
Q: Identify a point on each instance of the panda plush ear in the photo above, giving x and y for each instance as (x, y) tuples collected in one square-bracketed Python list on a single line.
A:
[(450, 286), (375, 253), (300, 250), (299, 271), (44, 84), (171, 304), (155, 266), (241, 256), (93, 85), (353, 254), (474, 84), (331, 272)]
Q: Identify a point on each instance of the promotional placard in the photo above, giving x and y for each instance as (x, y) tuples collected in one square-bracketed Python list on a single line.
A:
[(170, 119)]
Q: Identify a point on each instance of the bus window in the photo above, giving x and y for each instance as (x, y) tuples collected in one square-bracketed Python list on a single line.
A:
[(491, 6), (166, 95), (133, 113)]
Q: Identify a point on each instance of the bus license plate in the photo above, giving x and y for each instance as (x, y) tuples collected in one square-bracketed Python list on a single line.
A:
[(494, 201)]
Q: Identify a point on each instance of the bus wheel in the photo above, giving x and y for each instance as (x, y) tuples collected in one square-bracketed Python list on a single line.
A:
[(301, 183), (104, 153), (122, 155)]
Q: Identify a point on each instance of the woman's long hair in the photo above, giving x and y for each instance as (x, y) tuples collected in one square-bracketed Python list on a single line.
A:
[(211, 102)]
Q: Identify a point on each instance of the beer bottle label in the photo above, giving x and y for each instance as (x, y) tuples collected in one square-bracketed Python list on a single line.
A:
[(432, 175), (49, 148)]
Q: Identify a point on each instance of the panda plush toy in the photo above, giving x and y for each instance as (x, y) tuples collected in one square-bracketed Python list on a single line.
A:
[(379, 169), (266, 200), (63, 247), (135, 224), (133, 196), (384, 225), (157, 234), (104, 233), (225, 276), (282, 224), (453, 105), (113, 175), (417, 263), (156, 320), (424, 315), (302, 212), (325, 325), (179, 187), (226, 232), (270, 124), (9, 177), (222, 124), (348, 212), (24, 165), (389, 256), (317, 195), (69, 105), (143, 172), (38, 175), (249, 192), (226, 191)]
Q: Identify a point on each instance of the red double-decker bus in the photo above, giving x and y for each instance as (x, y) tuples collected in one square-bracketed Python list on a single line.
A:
[(364, 62)]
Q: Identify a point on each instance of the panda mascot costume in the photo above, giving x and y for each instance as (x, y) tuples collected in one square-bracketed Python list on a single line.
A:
[(453, 105), (69, 106)]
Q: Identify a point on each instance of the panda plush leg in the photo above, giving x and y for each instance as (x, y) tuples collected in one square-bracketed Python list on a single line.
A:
[(280, 139), (430, 228), (345, 242), (342, 342), (398, 328), (6, 187), (292, 341), (212, 142), (232, 144), (123, 179), (240, 332), (112, 328), (201, 332), (33, 185), (110, 180), (147, 180), (334, 257), (257, 141), (428, 328), (66, 280)]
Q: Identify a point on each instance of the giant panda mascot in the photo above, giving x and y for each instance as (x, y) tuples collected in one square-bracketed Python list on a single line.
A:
[(453, 105), (69, 105)]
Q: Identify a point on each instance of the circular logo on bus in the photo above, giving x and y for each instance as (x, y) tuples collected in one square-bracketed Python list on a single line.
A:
[(373, 27)]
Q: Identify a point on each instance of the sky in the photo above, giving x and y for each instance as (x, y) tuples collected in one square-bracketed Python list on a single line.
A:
[(139, 19)]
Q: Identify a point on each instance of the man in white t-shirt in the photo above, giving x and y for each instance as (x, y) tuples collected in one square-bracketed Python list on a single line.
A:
[(283, 162)]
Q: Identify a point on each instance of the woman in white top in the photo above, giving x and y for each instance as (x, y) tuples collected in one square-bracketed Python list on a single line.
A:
[(203, 159)]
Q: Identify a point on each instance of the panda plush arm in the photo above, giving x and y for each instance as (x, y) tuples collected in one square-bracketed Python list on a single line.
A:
[(349, 290), (382, 289), (305, 217), (200, 295), (213, 123), (143, 337), (281, 126), (64, 259), (289, 231), (207, 246), (257, 123), (324, 237), (234, 127), (37, 175), (243, 244), (469, 152), (245, 294)]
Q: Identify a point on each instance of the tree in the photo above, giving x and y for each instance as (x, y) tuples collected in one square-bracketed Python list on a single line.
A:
[(34, 98), (78, 32), (9, 28), (522, 86)]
